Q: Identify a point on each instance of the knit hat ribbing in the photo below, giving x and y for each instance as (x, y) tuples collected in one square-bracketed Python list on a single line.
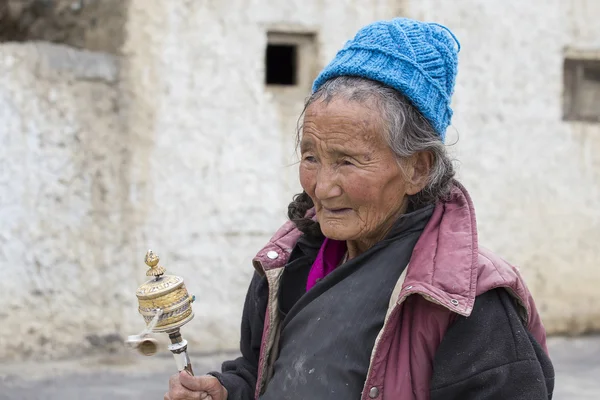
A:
[(416, 58)]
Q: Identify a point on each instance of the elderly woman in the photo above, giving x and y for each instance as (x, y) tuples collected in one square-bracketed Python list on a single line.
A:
[(377, 287)]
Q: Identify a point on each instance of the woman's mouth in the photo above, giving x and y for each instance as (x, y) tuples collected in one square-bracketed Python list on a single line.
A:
[(336, 211)]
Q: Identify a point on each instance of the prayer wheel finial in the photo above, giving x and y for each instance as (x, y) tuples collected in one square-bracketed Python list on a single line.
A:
[(152, 261)]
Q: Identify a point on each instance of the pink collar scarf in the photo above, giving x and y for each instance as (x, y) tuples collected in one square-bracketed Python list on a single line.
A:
[(329, 257)]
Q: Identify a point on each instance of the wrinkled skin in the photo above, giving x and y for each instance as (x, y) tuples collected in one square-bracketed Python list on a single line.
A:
[(183, 386), (357, 183)]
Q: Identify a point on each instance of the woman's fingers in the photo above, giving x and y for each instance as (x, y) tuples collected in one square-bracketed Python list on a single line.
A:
[(197, 383), (184, 386), (206, 383), (178, 392)]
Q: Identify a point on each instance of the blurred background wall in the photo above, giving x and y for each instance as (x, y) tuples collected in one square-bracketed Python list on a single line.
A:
[(128, 125)]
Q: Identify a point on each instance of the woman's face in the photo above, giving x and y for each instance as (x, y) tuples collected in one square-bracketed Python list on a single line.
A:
[(350, 172)]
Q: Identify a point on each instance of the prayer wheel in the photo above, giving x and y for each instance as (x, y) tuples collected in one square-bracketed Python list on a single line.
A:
[(166, 306)]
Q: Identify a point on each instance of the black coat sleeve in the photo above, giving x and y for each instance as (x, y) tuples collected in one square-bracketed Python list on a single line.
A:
[(491, 355), (239, 376)]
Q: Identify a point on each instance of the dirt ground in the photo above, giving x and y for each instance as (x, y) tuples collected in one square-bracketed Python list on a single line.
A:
[(132, 377)]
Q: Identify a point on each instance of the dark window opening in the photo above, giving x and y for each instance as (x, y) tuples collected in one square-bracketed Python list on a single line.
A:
[(592, 74), (282, 64), (581, 90)]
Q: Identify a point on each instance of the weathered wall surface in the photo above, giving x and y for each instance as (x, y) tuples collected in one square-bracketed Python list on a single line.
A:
[(209, 146), (95, 25), (62, 201), (534, 178), (179, 146)]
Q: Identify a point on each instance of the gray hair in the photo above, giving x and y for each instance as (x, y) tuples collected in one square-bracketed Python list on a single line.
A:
[(406, 131)]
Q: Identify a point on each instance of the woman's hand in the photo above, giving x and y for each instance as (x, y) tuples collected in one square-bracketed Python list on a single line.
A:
[(184, 386)]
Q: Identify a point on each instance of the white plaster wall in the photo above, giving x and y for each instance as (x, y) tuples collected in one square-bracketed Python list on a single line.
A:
[(61, 201), (181, 148), (535, 179)]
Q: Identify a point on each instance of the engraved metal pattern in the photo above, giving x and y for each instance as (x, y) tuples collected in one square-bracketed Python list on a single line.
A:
[(155, 287)]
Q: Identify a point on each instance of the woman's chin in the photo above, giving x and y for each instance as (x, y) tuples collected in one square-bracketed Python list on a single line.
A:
[(335, 233)]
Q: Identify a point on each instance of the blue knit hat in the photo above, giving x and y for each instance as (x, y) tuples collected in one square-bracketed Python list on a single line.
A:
[(416, 58)]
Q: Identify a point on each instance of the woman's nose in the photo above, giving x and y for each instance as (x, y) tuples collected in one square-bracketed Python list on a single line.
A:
[(327, 186)]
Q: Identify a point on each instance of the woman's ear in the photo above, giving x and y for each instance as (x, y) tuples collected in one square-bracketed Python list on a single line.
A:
[(420, 163)]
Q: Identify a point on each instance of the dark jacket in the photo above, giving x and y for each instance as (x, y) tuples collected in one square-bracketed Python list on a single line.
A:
[(461, 324)]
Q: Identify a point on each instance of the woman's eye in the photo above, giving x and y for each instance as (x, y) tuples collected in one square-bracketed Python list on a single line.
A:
[(347, 162), (310, 159)]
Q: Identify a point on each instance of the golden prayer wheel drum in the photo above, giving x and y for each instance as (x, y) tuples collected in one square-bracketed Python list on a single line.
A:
[(166, 295)]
